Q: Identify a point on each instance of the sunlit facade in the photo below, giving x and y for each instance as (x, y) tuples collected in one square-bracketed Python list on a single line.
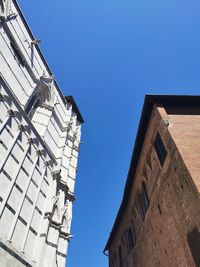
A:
[(40, 133)]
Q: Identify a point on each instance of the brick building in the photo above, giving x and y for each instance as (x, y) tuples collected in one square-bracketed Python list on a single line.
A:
[(40, 133), (158, 222)]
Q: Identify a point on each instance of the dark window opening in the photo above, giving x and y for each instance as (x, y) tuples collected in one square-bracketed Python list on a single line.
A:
[(17, 54), (143, 201), (130, 238), (193, 239), (160, 149)]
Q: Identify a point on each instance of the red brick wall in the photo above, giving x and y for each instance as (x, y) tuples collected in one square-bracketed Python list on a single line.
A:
[(174, 198)]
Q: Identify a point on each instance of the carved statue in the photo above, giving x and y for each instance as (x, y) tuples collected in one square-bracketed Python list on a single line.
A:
[(43, 88)]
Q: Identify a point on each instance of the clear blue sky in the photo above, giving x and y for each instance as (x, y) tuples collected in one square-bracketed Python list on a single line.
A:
[(108, 54)]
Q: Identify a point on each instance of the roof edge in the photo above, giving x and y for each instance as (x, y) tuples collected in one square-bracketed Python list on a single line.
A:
[(71, 100), (37, 47)]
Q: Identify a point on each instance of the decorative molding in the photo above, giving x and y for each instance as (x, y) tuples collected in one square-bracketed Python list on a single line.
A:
[(46, 106), (56, 174), (5, 8)]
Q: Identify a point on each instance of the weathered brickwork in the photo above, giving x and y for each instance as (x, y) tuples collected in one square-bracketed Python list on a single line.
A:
[(172, 208)]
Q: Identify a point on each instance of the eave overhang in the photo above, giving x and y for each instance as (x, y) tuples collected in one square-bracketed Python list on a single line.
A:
[(70, 99)]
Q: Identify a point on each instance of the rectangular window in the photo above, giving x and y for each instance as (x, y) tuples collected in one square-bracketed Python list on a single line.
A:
[(193, 239), (132, 236), (145, 198), (143, 201), (160, 149)]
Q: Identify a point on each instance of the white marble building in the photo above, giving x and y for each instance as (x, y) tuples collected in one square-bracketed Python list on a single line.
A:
[(39, 142)]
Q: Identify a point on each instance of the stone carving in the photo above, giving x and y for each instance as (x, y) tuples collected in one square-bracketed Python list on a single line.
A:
[(64, 215), (43, 90), (56, 207), (2, 7), (5, 8)]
